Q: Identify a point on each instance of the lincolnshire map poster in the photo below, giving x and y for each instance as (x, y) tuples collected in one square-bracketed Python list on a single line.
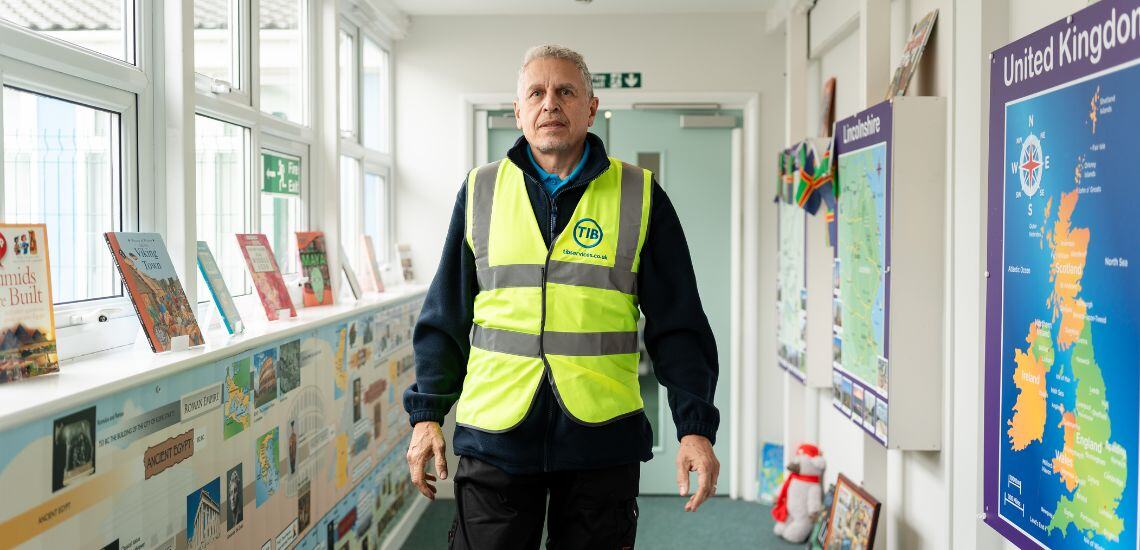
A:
[(863, 257), (1061, 347)]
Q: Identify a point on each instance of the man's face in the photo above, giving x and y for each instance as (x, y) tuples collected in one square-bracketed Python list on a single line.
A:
[(554, 108)]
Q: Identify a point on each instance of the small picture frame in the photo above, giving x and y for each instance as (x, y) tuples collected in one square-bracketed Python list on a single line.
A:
[(852, 519)]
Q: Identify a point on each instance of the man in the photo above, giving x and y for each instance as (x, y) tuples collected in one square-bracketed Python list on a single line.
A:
[(531, 325)]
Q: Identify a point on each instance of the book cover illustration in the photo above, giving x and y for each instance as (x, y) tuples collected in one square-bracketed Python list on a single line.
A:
[(912, 54), (208, 266), (266, 276), (350, 274), (372, 278), (315, 266), (772, 470), (154, 288), (27, 322)]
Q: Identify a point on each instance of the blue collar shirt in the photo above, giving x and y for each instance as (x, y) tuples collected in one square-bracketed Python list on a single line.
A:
[(551, 182)]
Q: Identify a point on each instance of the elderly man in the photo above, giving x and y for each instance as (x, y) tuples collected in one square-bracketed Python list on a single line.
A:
[(531, 324)]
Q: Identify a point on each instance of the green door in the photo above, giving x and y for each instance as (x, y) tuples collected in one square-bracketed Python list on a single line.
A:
[(694, 166), (502, 134)]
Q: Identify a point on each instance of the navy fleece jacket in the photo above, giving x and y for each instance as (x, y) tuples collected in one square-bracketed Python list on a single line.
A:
[(677, 336)]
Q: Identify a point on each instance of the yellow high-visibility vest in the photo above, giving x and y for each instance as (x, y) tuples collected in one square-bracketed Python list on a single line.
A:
[(567, 313)]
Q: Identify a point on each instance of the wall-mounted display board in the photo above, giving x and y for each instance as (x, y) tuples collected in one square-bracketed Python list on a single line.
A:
[(299, 443), (888, 271), (1061, 421), (791, 279)]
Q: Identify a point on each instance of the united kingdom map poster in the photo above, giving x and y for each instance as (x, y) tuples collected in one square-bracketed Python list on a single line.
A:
[(1061, 347)]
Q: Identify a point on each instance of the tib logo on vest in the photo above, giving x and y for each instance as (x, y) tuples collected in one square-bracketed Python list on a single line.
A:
[(587, 233)]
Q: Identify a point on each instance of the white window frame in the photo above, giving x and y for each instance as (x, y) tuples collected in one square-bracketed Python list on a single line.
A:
[(351, 145), (202, 295), (240, 93), (54, 67), (138, 89), (298, 130), (266, 132), (273, 144)]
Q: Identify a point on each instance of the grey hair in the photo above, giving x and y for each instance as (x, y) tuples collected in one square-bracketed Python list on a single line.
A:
[(554, 51)]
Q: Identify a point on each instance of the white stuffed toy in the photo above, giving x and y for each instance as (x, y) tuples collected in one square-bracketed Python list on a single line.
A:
[(801, 497)]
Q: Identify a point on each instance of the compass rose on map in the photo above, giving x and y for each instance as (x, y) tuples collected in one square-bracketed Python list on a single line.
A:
[(1030, 165)]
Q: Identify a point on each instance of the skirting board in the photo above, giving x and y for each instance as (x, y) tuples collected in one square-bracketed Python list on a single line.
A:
[(403, 529)]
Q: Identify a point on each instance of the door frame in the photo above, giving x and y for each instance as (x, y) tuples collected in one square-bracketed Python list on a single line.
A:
[(746, 200)]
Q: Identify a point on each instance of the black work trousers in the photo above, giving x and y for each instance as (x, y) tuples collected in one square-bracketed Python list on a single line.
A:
[(594, 509)]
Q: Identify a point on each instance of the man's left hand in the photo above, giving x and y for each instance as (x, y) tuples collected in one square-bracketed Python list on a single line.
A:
[(696, 455)]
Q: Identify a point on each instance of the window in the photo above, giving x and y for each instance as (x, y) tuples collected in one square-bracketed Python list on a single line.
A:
[(283, 58), (216, 40), (375, 205), (374, 97), (281, 212), (105, 27), (220, 166), (62, 164), (365, 115), (346, 82), (350, 208)]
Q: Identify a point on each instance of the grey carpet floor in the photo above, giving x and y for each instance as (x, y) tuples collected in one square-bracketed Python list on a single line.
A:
[(663, 524)]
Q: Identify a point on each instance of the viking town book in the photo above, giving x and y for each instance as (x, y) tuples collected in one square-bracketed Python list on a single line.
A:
[(154, 288)]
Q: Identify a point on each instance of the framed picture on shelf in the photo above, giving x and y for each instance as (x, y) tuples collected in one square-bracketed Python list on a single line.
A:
[(852, 518)]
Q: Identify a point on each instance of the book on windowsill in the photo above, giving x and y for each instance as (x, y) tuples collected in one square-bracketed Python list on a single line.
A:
[(350, 274), (315, 268), (208, 266), (27, 321), (266, 275), (372, 280), (154, 289), (405, 253)]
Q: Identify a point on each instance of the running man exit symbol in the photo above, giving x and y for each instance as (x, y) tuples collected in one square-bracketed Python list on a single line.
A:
[(616, 80)]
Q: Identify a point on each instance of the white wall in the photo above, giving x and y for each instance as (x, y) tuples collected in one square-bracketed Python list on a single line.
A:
[(931, 499), (445, 59)]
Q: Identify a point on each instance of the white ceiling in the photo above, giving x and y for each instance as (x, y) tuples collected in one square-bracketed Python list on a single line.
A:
[(567, 7)]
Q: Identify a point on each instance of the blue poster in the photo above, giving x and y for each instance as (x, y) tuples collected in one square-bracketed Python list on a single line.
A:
[(1062, 351)]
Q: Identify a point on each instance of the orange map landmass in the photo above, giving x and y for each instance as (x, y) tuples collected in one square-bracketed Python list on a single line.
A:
[(1070, 248), (1064, 462), (1028, 422)]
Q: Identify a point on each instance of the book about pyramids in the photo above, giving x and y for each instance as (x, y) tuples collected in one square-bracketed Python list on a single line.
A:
[(208, 266), (372, 279), (266, 276), (315, 266), (153, 286), (27, 322)]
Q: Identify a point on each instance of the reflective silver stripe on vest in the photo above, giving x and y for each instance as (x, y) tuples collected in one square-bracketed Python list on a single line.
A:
[(589, 343), (483, 197), (629, 226), (554, 343), (507, 341), (595, 276), (509, 276)]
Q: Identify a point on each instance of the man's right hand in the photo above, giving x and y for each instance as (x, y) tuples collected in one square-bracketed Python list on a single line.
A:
[(427, 441)]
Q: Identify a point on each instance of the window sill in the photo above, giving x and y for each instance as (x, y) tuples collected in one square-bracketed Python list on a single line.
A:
[(91, 377)]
